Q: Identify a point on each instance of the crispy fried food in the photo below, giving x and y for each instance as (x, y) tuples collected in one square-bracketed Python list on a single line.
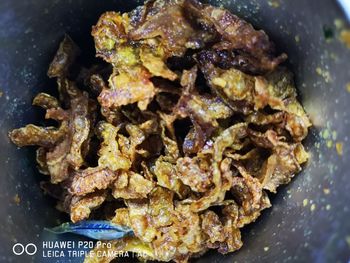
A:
[(64, 58), (130, 185), (198, 122), (81, 207), (91, 179), (110, 155)]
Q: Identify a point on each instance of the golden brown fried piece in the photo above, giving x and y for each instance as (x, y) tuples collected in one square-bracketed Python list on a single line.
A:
[(34, 135), (81, 207), (130, 185), (91, 179), (195, 173), (110, 155)]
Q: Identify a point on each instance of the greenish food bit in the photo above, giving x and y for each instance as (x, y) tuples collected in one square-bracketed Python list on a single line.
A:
[(324, 73), (17, 199), (328, 32), (328, 207), (334, 56), (312, 207), (339, 23), (266, 249), (347, 239), (305, 202), (329, 144), (109, 44), (348, 87), (325, 134), (297, 38)]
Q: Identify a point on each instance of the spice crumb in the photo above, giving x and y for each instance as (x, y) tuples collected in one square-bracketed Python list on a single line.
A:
[(325, 74), (273, 3), (338, 23), (17, 199), (348, 86), (328, 207), (345, 37), (1, 93), (326, 191), (266, 249), (339, 148)]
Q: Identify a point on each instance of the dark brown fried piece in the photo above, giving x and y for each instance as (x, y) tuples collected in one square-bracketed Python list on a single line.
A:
[(213, 228), (46, 101), (204, 110), (241, 45), (233, 86), (64, 58), (68, 153)]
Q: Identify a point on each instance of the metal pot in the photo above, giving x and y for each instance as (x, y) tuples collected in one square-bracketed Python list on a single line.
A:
[(310, 218)]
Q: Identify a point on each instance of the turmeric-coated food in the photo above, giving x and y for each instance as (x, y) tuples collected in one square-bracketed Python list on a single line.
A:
[(180, 134)]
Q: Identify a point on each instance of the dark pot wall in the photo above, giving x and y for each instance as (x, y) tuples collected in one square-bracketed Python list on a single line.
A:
[(309, 221)]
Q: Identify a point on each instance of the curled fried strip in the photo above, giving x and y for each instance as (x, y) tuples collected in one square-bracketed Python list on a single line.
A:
[(35, 135), (46, 101), (64, 58), (80, 125)]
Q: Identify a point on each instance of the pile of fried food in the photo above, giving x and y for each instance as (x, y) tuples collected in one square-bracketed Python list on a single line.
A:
[(179, 137)]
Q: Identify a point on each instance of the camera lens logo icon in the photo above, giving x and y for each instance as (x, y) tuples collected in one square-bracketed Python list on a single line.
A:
[(30, 249)]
